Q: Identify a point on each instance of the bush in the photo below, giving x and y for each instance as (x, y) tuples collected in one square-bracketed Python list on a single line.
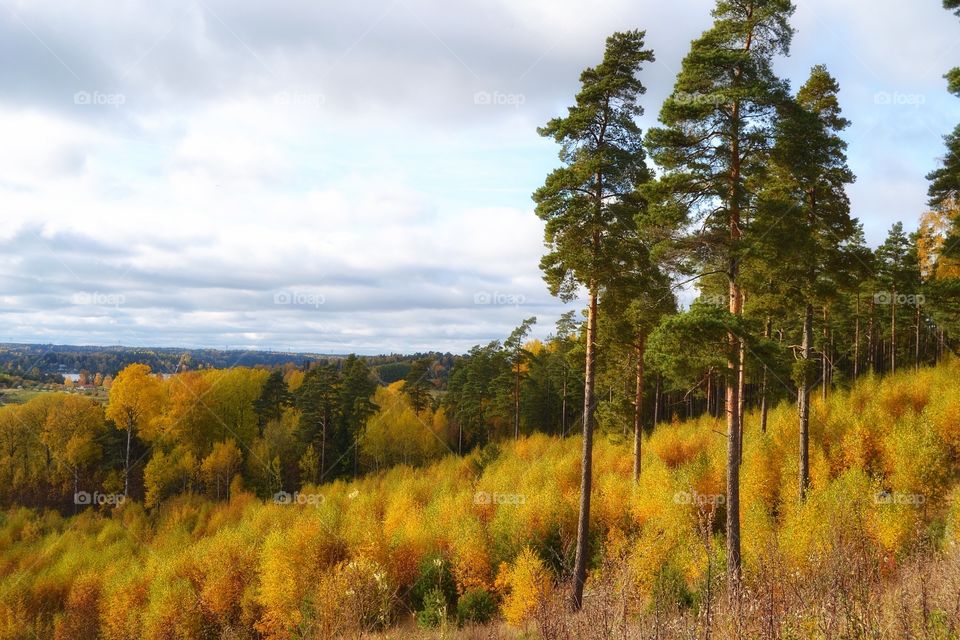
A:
[(476, 606), (434, 611), (434, 575)]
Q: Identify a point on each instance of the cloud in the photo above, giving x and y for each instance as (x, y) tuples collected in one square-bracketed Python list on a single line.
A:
[(169, 169)]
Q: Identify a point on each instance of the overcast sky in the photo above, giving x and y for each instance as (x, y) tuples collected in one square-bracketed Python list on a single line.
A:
[(337, 177)]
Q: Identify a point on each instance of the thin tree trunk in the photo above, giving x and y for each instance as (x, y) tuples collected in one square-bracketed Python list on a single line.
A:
[(917, 346), (563, 404), (803, 402), (856, 341), (763, 382), (586, 473), (741, 397), (126, 464), (638, 410), (871, 343), (656, 402), (825, 357), (516, 403), (893, 332)]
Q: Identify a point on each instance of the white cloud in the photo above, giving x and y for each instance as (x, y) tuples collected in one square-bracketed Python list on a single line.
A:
[(340, 151)]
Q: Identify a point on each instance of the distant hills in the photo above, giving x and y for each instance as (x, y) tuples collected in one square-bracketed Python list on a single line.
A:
[(51, 361)]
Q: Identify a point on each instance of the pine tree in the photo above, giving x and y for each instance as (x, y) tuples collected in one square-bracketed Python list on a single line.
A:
[(717, 127), (584, 206), (804, 214), (274, 397)]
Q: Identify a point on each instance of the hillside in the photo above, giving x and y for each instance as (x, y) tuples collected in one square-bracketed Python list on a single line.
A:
[(874, 545)]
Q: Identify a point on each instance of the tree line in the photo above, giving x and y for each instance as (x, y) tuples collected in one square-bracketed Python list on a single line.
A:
[(748, 204)]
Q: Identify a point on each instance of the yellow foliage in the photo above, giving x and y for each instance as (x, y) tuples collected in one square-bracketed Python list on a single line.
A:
[(525, 582)]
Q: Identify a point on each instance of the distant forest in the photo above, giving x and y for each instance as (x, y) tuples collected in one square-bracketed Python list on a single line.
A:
[(48, 362)]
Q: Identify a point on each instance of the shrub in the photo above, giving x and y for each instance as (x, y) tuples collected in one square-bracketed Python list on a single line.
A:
[(527, 581), (434, 611), (476, 606)]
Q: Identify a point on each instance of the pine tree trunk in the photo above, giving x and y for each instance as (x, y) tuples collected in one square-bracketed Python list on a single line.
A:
[(871, 343), (586, 473), (516, 404), (803, 402), (893, 332), (763, 382), (917, 345), (563, 405), (733, 443), (741, 396), (825, 358), (856, 341), (656, 402), (638, 410)]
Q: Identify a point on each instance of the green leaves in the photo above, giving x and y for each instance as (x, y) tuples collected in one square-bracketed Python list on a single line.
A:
[(583, 203)]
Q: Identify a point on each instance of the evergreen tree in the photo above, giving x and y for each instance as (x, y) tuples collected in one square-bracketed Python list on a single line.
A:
[(717, 127), (417, 384), (589, 217), (274, 397)]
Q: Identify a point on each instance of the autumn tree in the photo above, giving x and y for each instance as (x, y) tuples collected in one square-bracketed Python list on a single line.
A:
[(218, 468), (72, 434), (135, 398), (585, 205)]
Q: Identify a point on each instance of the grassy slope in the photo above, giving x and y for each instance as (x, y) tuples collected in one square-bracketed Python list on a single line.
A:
[(197, 568)]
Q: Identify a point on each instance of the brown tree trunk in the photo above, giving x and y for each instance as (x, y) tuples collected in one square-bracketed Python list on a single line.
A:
[(763, 382), (586, 471), (656, 402), (516, 403), (803, 402), (917, 345), (126, 464), (638, 410), (871, 343), (741, 396), (893, 332), (825, 357), (856, 340)]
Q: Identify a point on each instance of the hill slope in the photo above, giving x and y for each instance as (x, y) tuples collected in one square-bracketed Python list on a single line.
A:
[(499, 525)]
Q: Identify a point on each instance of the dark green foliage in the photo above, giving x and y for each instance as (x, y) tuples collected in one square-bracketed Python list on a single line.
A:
[(476, 606), (435, 591), (274, 397), (417, 384)]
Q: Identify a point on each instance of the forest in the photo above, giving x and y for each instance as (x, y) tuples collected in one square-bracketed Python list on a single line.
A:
[(779, 458)]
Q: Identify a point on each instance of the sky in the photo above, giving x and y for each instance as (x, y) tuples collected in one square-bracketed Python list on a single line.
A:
[(356, 177)]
